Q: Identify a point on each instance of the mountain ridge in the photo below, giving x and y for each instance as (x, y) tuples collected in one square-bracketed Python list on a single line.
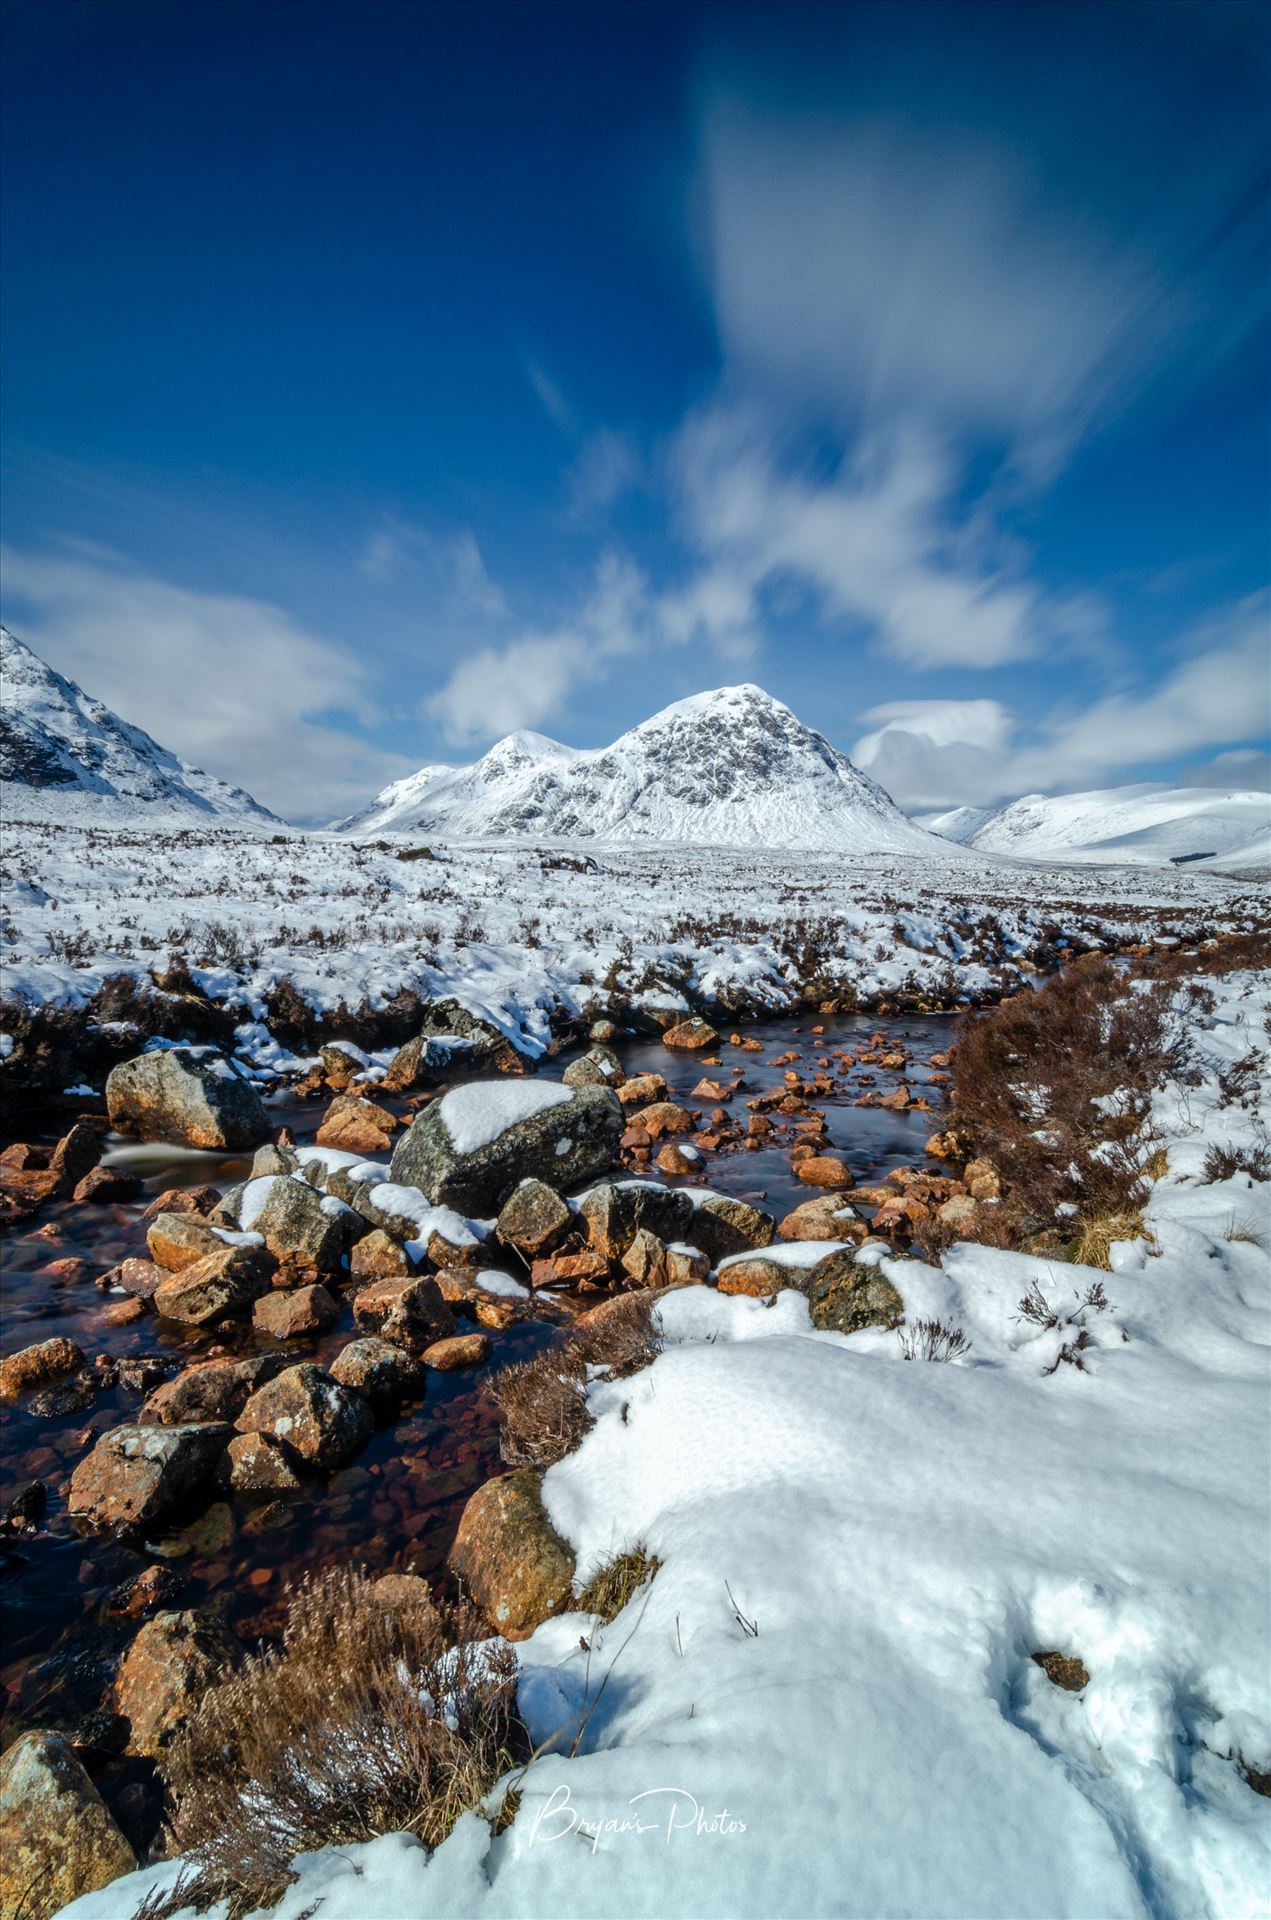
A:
[(69, 753), (733, 766), (1145, 825)]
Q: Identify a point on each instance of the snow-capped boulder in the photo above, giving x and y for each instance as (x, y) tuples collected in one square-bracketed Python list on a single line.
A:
[(598, 1067), (190, 1095), (302, 1228), (471, 1147)]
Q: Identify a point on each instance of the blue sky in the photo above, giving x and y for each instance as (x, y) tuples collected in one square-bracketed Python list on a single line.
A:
[(379, 378)]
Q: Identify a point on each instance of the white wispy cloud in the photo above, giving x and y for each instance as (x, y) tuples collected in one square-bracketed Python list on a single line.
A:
[(232, 684), (944, 753)]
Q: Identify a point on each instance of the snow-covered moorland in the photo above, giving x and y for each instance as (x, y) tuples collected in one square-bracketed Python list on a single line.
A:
[(827, 1699), (295, 929)]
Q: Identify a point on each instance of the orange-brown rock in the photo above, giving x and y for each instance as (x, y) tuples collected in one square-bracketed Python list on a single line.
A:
[(458, 1351), (509, 1557), (690, 1034), (824, 1170), (356, 1125)]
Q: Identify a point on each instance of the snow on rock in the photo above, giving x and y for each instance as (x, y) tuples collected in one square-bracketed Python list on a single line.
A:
[(66, 755), (475, 1115), (731, 768)]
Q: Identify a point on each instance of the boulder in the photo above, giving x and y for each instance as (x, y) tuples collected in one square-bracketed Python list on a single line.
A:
[(752, 1274), (642, 1089), (257, 1463), (140, 1278), (508, 1555), (292, 1315), (534, 1219), (598, 1067), (664, 1116), (690, 1034), (216, 1391), (166, 1671), (190, 1095), (383, 1374), (107, 1186), (177, 1240), (57, 1839), (825, 1170), (470, 1148), (458, 1351), (218, 1288), (686, 1266), (317, 1418), (721, 1226), (678, 1158), (301, 1227), (409, 1313), (137, 1476), (644, 1261), (843, 1296), (273, 1157), (356, 1125), (413, 1063), (959, 1214), (39, 1366), (825, 1218), (613, 1213), (377, 1256), (77, 1153), (199, 1200)]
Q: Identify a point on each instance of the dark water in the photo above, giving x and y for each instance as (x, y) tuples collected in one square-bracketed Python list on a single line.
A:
[(396, 1506)]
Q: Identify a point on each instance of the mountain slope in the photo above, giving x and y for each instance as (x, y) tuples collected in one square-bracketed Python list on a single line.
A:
[(729, 768), (1138, 826), (64, 753)]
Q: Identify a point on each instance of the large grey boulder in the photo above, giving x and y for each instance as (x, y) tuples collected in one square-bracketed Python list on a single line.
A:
[(470, 1148), (57, 1839), (300, 1226), (191, 1095)]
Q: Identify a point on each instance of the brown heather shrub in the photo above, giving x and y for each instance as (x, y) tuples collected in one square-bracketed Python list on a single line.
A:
[(542, 1403), (366, 1720), (1027, 1076), (616, 1582)]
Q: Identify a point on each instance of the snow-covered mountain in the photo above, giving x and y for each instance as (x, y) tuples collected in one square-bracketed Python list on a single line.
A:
[(64, 754), (1137, 826), (729, 768)]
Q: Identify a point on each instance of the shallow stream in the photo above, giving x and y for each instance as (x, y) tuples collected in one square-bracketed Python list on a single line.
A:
[(396, 1506)]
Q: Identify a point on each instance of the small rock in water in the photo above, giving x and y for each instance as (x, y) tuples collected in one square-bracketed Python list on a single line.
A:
[(320, 1420), (534, 1219), (690, 1034), (107, 1186), (290, 1316), (383, 1373), (38, 1365), (460, 1350), (138, 1476)]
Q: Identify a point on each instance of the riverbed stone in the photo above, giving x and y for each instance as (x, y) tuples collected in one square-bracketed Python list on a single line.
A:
[(106, 1187), (167, 1669), (306, 1230), (320, 1420), (721, 1226), (190, 1095), (690, 1034), (379, 1371), (598, 1067), (509, 1556), (642, 1090), (408, 1312), (214, 1390), (357, 1125), (825, 1170), (137, 1476), (612, 1213), (826, 1218), (459, 1350), (294, 1314), (377, 1256), (844, 1296), (760, 1278), (77, 1152), (140, 1278), (258, 1463), (57, 1838), (563, 1144), (644, 1261), (38, 1366), (534, 1219), (177, 1240), (220, 1287)]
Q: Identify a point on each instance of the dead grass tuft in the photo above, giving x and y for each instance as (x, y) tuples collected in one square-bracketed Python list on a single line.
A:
[(617, 1582), (1096, 1238), (542, 1403), (932, 1340), (1224, 1163), (366, 1720)]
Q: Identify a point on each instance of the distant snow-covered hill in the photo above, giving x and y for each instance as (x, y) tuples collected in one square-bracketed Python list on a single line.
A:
[(63, 754), (729, 768), (1137, 826)]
